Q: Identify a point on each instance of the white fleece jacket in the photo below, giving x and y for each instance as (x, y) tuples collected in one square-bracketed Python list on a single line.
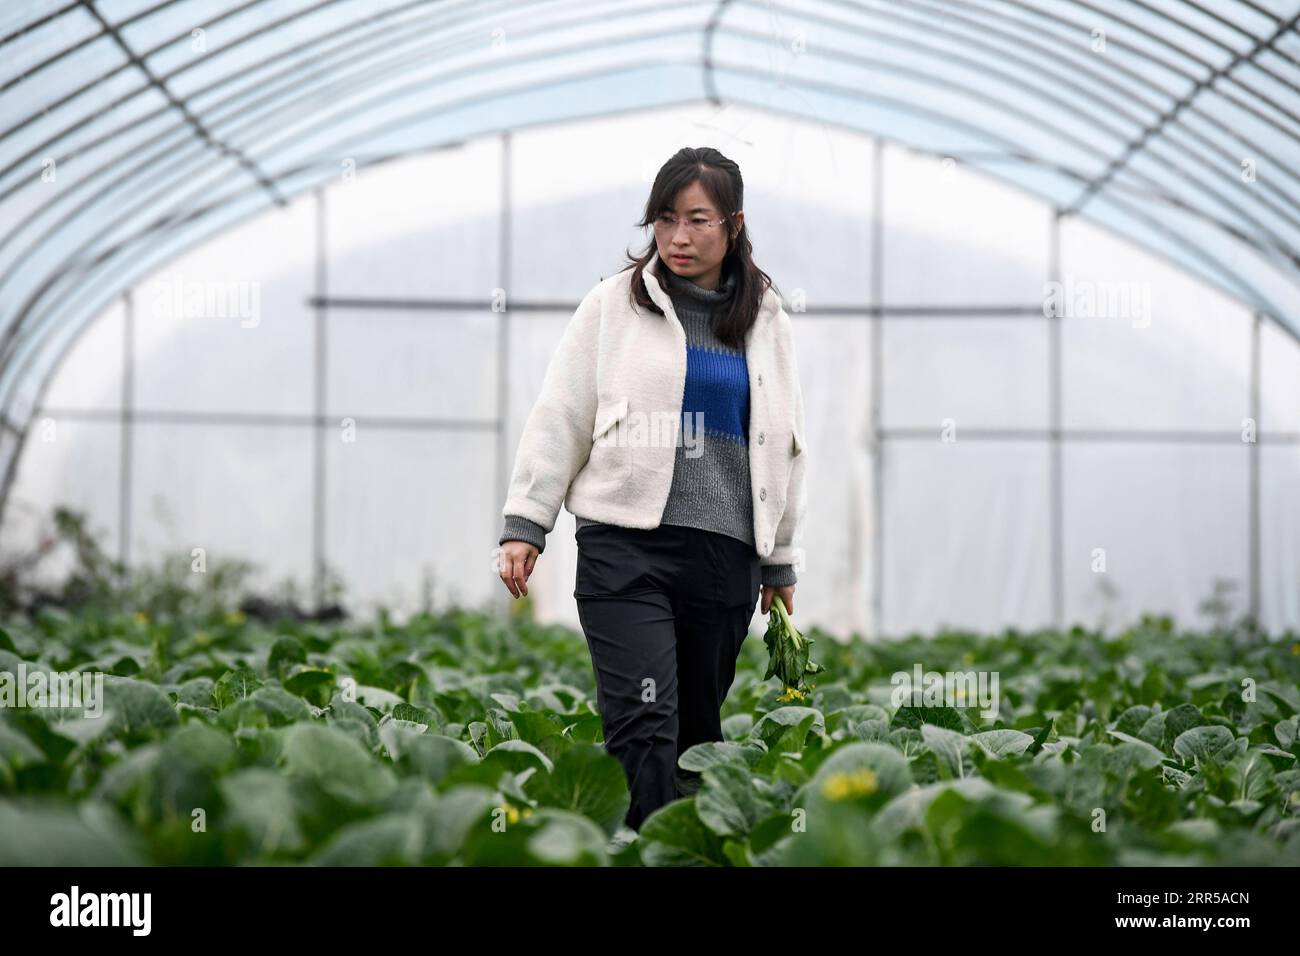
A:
[(601, 437)]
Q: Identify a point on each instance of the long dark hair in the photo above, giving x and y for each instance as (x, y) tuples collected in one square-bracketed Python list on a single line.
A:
[(720, 178)]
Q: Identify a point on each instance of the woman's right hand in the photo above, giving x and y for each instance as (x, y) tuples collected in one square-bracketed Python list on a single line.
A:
[(517, 560)]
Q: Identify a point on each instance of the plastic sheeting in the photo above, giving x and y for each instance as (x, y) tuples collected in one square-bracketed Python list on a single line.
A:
[(1164, 133), (973, 532)]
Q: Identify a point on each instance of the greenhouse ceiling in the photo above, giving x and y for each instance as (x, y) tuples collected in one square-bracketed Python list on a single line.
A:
[(131, 130)]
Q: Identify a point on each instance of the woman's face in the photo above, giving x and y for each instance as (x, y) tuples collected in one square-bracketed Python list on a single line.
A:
[(696, 256)]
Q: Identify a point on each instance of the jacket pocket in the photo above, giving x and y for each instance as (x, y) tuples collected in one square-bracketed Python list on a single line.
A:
[(611, 457), (787, 466), (608, 413)]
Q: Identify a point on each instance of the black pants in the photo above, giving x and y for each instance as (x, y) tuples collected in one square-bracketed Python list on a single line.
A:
[(665, 612)]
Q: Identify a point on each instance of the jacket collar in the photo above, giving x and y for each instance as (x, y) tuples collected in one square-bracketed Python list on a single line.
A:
[(660, 297), (654, 285)]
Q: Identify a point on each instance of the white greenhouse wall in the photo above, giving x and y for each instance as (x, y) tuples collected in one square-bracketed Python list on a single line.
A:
[(411, 483)]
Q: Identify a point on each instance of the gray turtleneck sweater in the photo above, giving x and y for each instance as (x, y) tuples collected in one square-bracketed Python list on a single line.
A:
[(710, 488)]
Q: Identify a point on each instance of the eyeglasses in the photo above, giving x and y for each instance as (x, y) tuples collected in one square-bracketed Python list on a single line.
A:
[(696, 225)]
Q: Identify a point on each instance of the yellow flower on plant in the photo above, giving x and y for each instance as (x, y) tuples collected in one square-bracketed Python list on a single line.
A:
[(141, 617), (850, 786), (513, 813), (235, 617), (790, 694)]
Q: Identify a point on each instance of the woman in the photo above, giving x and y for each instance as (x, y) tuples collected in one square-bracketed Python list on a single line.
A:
[(670, 423)]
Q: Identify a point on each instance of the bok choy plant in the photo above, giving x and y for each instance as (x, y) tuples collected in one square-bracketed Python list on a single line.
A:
[(788, 650)]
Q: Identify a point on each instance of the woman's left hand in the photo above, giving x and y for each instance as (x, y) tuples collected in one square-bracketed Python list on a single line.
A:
[(787, 597)]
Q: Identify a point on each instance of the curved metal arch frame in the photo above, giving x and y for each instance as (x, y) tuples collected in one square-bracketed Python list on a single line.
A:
[(1105, 182), (103, 259), (230, 77), (709, 32), (921, 75), (408, 119), (117, 179), (1080, 63), (1276, 243), (110, 29), (50, 285)]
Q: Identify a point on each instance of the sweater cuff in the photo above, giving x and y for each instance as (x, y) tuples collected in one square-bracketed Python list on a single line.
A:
[(778, 575), (519, 528)]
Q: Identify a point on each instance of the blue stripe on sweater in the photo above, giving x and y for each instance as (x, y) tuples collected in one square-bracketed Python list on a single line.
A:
[(717, 385)]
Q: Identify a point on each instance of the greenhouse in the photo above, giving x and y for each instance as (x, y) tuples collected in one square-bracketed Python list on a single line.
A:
[(369, 207), (281, 282)]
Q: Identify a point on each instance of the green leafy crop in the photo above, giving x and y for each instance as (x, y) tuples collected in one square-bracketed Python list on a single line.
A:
[(461, 739), (788, 650)]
